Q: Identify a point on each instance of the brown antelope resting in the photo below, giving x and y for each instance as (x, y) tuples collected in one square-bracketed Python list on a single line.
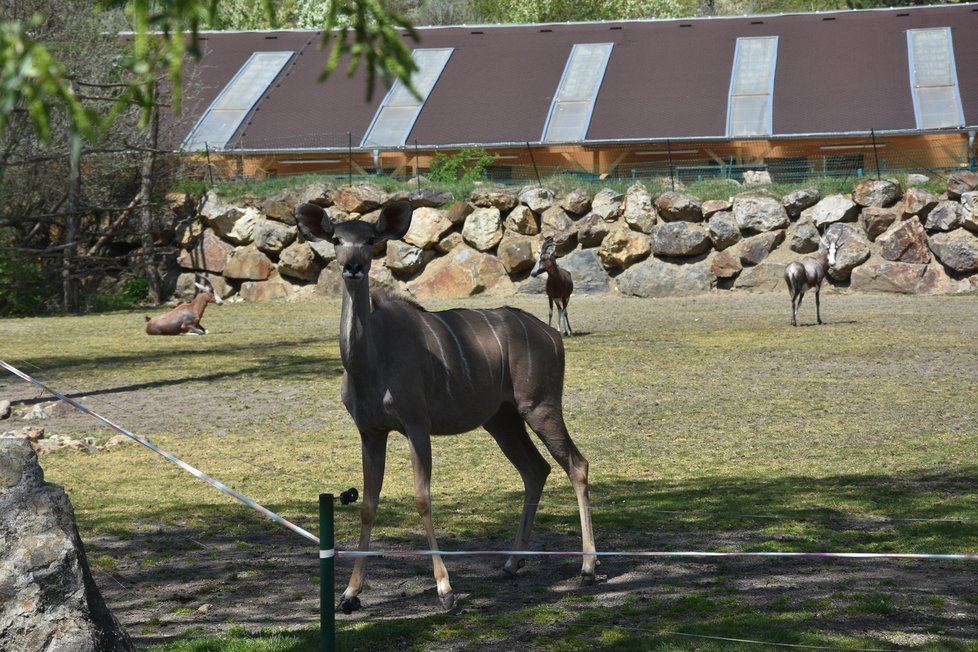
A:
[(808, 273), (559, 284), (426, 373), (185, 318)]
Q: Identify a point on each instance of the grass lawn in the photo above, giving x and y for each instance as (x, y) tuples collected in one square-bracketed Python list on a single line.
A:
[(709, 423)]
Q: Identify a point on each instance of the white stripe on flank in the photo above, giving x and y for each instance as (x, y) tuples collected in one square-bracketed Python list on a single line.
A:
[(441, 349), (502, 356), (458, 345)]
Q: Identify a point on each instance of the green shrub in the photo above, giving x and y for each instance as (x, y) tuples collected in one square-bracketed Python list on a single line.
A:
[(466, 165)]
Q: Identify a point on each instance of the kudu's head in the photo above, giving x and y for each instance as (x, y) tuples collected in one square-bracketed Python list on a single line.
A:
[(354, 240), (547, 255)]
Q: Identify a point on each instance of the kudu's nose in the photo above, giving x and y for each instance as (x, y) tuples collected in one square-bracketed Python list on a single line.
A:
[(353, 270)]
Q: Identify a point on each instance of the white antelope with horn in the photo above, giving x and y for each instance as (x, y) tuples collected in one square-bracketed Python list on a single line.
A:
[(809, 273), (426, 373), (560, 285), (185, 318)]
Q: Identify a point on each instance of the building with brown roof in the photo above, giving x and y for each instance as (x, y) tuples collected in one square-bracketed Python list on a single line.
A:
[(795, 93)]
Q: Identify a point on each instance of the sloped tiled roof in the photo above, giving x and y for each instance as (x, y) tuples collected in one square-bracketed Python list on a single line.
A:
[(837, 72)]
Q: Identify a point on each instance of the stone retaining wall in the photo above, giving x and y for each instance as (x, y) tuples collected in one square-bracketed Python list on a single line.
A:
[(635, 243)]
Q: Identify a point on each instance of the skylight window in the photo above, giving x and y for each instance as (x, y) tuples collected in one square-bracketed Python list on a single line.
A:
[(397, 113), (934, 79), (752, 87), (570, 111), (223, 117)]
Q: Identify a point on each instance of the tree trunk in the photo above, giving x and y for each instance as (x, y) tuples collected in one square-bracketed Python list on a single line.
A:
[(69, 276), (148, 249)]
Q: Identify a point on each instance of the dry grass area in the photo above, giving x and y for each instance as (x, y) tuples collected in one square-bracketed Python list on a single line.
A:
[(709, 422)]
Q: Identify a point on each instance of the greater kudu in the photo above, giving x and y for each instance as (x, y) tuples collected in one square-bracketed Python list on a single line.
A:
[(439, 373), (560, 284), (809, 272)]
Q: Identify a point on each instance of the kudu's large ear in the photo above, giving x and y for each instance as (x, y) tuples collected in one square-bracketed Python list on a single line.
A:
[(394, 220), (313, 222)]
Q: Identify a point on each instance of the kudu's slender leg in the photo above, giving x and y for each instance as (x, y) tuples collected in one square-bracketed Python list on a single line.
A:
[(374, 451), (547, 421), (420, 442), (509, 431)]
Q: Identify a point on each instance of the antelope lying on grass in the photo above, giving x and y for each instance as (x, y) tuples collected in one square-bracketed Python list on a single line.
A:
[(559, 284), (185, 318), (809, 272), (440, 373)]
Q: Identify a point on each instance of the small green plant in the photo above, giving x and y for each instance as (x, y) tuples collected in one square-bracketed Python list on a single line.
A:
[(466, 165)]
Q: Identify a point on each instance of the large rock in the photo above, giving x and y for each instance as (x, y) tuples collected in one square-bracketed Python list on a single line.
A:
[(483, 229), (423, 197), (461, 273), (249, 264), (832, 209), (591, 230), (804, 237), (713, 206), (517, 252), (577, 201), (607, 204), (881, 193), (586, 270), (906, 243), (766, 277), (637, 209), (958, 250), (522, 220), (272, 237), (457, 212), (242, 231), (902, 278), (280, 208), (723, 230), (359, 198), (757, 212), (663, 278), (726, 263), (917, 201), (48, 599), (679, 239), (795, 202), (428, 225), (946, 216), (555, 222), (623, 247), (675, 206), (756, 248), (875, 220), (537, 198), (298, 260), (502, 199), (960, 183), (969, 211), (274, 287), (210, 255), (404, 258)]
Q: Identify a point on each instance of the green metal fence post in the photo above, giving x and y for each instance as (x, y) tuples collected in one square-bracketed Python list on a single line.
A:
[(327, 552)]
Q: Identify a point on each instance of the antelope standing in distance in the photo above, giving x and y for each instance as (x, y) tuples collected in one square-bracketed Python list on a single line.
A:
[(440, 373), (185, 318), (559, 284), (808, 273)]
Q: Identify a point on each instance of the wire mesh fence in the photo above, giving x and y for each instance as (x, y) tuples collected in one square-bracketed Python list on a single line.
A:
[(783, 161)]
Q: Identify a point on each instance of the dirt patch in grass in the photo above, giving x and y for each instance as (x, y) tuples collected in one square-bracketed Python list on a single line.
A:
[(709, 424)]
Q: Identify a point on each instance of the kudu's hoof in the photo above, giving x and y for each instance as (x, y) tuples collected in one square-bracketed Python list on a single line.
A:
[(447, 600), (349, 605)]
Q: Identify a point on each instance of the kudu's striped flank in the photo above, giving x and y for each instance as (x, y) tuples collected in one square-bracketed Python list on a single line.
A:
[(426, 373)]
